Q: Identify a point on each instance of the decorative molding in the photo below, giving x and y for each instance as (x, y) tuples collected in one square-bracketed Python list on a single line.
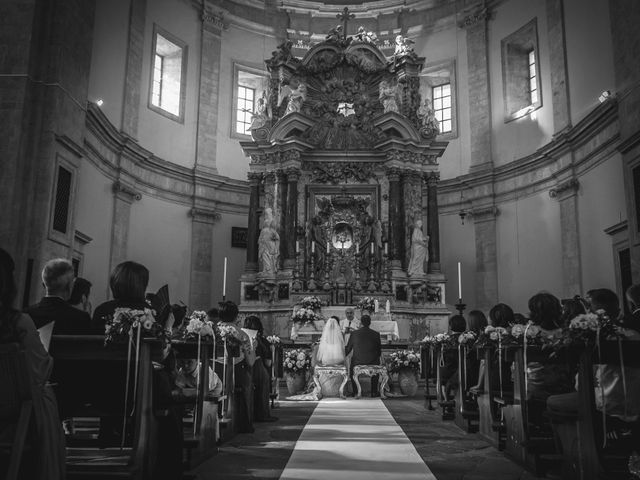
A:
[(617, 228), (217, 19), (82, 238), (484, 213), (204, 215), (338, 172), (475, 17), (565, 189), (125, 192)]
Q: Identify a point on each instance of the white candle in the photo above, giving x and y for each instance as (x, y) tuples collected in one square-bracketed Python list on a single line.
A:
[(224, 278), (327, 247), (459, 280), (372, 247), (376, 305), (297, 246), (357, 247), (313, 247), (387, 307), (386, 248)]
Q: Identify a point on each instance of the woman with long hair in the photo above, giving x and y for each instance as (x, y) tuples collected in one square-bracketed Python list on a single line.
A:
[(48, 462)]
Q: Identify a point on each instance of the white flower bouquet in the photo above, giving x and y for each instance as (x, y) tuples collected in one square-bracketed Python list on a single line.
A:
[(296, 361)]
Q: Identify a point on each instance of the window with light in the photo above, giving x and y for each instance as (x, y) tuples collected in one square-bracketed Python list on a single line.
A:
[(442, 106), (245, 109), (168, 76), (249, 98), (533, 78)]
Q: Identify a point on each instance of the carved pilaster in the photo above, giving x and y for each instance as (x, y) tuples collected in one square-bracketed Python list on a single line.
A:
[(204, 215), (433, 221), (253, 226), (479, 14), (123, 197), (125, 193), (201, 280), (566, 195), (293, 174), (484, 220), (396, 218)]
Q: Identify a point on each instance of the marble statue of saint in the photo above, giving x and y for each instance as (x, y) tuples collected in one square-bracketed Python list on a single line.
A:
[(269, 245), (377, 233), (419, 251), (387, 96), (296, 99), (260, 117), (430, 127)]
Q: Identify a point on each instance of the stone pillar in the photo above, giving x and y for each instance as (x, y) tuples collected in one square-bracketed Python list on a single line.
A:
[(558, 68), (123, 197), (396, 219), (133, 67), (291, 216), (484, 219), (280, 211), (567, 195), (201, 295), (433, 223), (479, 97), (253, 227), (210, 46)]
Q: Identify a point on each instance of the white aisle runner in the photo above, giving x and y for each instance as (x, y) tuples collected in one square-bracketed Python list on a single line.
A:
[(354, 439)]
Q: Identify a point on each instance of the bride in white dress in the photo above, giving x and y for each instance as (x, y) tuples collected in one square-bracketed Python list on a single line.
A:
[(329, 352)]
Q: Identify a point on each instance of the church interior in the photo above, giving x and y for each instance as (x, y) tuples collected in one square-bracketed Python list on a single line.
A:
[(459, 178)]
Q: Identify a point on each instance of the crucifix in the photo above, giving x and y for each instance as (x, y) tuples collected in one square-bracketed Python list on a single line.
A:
[(345, 16)]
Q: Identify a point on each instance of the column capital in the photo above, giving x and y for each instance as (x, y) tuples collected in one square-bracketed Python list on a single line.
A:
[(483, 214), (254, 178), (393, 173), (125, 192), (214, 19), (476, 16), (204, 215), (293, 174), (565, 189), (432, 178)]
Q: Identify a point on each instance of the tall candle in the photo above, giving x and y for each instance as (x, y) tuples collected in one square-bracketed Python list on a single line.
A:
[(386, 248), (357, 247), (459, 280), (372, 247), (224, 279), (387, 307), (327, 247), (376, 305), (313, 247), (297, 246)]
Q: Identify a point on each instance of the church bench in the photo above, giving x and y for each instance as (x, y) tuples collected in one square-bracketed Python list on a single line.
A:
[(447, 406), (91, 382), (581, 435), (427, 373), (226, 402), (466, 411), (490, 420)]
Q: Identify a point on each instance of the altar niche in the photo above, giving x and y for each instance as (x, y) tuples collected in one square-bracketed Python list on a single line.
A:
[(343, 171)]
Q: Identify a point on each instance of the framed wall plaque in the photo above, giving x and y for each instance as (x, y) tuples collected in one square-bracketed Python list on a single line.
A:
[(239, 237)]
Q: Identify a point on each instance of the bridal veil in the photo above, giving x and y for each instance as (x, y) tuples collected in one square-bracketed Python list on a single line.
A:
[(331, 348)]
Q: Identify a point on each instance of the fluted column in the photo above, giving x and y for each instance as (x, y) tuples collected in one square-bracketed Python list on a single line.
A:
[(396, 219), (293, 176), (433, 223), (254, 222)]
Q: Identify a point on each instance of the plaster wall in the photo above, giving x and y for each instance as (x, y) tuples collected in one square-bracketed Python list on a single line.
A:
[(601, 204), (165, 137), (589, 54), (160, 239), (236, 257), (523, 136), (529, 249), (457, 243), (94, 216), (247, 49), (106, 77)]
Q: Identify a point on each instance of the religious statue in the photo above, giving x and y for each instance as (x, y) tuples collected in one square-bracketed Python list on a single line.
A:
[(282, 54), (335, 34), (296, 99), (260, 117), (419, 251), (429, 125), (269, 245), (377, 233), (404, 47), (366, 37), (388, 93)]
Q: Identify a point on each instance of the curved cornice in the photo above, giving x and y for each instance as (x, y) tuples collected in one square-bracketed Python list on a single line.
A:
[(119, 156)]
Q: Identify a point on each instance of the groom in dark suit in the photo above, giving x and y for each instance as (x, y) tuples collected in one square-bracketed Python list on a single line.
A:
[(366, 346)]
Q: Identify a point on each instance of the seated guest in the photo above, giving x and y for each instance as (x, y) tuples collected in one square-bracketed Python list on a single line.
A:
[(58, 278), (545, 379), (476, 323), (449, 371), (47, 438), (261, 372), (80, 295), (242, 366), (501, 315), (571, 308)]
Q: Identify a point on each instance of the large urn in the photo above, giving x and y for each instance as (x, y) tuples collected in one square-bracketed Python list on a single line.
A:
[(295, 382), (408, 381)]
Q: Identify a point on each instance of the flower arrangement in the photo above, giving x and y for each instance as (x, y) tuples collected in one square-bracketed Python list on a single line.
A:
[(403, 359), (584, 330), (311, 302), (303, 316), (273, 339), (495, 336), (228, 333), (199, 325), (296, 361), (367, 303), (121, 324), (467, 338)]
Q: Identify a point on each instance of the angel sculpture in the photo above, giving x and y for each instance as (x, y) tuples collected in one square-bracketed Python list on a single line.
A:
[(294, 97), (387, 96), (403, 46), (366, 37), (430, 127), (335, 34)]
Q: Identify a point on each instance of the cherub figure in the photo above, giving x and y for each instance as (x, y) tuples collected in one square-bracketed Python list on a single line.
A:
[(366, 37), (296, 99), (430, 127), (403, 46), (335, 34)]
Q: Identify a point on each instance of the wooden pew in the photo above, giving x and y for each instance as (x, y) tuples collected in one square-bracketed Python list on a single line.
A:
[(466, 411), (534, 450), (490, 402), (582, 437), (95, 378), (202, 433), (447, 406), (428, 373), (226, 410)]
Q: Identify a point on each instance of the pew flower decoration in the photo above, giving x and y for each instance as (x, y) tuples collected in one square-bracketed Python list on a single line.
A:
[(402, 359), (367, 303), (118, 326), (533, 333), (228, 333), (273, 339), (303, 316), (584, 330), (467, 338), (296, 361), (199, 325), (311, 302)]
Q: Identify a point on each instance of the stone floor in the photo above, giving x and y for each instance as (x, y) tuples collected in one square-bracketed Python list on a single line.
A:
[(450, 453)]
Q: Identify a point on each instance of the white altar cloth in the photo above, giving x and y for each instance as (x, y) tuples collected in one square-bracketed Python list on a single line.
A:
[(388, 330)]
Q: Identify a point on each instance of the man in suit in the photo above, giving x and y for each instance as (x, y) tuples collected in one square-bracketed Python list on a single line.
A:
[(58, 278), (367, 348)]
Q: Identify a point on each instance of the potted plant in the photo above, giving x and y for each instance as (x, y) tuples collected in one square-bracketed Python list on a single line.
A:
[(296, 362), (406, 363)]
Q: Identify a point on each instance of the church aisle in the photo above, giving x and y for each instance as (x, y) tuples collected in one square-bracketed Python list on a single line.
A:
[(354, 439)]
